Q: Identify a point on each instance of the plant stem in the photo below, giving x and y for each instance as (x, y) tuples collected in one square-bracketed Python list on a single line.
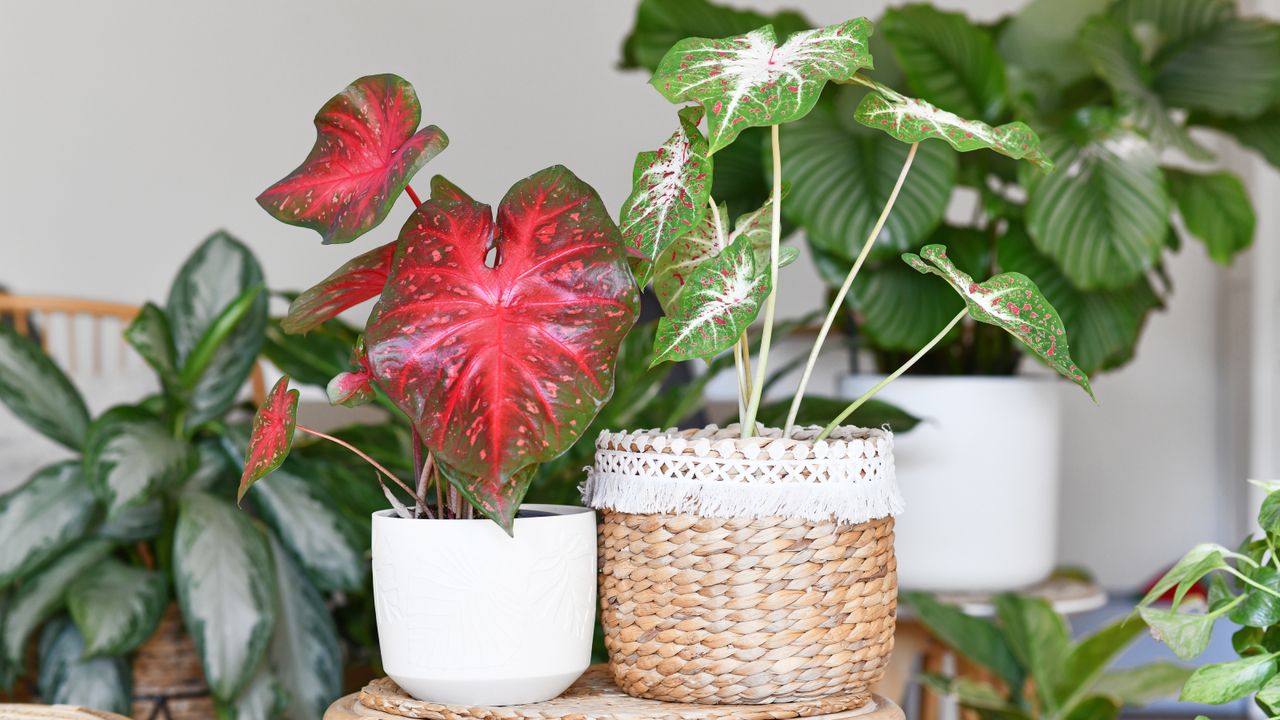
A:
[(376, 465), (880, 385), (770, 303), (412, 195), (838, 302), (424, 481), (419, 464)]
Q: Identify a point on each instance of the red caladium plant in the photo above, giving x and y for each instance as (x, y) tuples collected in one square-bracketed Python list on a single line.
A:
[(353, 283), (368, 147), (273, 427)]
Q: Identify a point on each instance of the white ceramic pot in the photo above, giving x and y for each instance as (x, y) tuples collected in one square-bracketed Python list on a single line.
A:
[(979, 478), (468, 615)]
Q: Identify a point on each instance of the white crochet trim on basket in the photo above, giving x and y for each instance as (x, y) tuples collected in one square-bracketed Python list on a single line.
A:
[(714, 473)]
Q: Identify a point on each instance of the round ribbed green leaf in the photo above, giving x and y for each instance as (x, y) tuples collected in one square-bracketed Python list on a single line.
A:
[(223, 574), (68, 678), (116, 607), (42, 593), (217, 274), (1104, 324), (1258, 133), (47, 513), (1040, 40), (130, 457), (304, 650), (948, 60), (1104, 215), (841, 175), (306, 520), (662, 23), (38, 392), (1173, 22), (1215, 207)]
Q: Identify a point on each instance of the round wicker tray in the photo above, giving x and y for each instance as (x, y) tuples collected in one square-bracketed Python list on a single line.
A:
[(595, 697), (54, 712)]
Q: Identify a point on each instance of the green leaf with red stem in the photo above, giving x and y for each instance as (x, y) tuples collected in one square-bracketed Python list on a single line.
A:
[(503, 364), (368, 146), (354, 387), (272, 435), (358, 280), (1010, 301), (749, 80)]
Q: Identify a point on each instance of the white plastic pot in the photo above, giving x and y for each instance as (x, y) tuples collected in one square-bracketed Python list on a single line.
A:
[(979, 478), (468, 615)]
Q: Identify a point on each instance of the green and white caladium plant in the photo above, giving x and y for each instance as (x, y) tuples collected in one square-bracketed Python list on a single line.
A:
[(97, 547), (494, 335), (713, 283)]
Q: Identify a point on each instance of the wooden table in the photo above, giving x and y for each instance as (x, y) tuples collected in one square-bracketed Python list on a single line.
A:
[(21, 711)]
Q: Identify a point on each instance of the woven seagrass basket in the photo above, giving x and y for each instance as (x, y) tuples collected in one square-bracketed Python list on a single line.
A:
[(746, 571)]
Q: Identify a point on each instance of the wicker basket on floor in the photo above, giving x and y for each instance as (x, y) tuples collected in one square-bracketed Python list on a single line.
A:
[(746, 571), (168, 679)]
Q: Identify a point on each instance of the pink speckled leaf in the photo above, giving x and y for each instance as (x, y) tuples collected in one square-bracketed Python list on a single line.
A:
[(358, 280), (722, 297), (1011, 301), (749, 80), (350, 389), (368, 146), (669, 190), (503, 365), (911, 120), (272, 435)]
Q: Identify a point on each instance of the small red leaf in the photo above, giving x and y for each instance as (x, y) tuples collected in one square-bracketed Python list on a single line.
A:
[(503, 365), (368, 146), (273, 426), (360, 279), (350, 389)]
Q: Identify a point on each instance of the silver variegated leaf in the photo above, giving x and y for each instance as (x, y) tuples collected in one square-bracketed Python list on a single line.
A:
[(38, 392), (130, 456), (309, 525), (261, 700), (749, 80), (304, 649), (116, 607), (68, 678), (134, 522), (223, 574), (42, 517), (723, 296), (42, 594)]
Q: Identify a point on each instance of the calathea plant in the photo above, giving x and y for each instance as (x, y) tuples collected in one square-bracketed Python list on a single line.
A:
[(95, 548), (714, 279), (496, 338)]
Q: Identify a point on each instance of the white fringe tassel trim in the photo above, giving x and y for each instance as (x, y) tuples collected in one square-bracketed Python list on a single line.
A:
[(713, 473)]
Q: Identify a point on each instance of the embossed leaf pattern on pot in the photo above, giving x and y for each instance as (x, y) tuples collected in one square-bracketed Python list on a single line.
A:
[(498, 339), (749, 80), (368, 146), (1011, 301), (272, 435)]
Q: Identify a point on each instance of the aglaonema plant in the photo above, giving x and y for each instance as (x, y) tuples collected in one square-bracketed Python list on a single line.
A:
[(715, 279), (494, 336)]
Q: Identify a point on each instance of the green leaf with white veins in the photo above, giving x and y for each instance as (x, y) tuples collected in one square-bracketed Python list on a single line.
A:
[(1012, 302), (130, 456), (42, 517), (116, 607), (669, 190), (722, 298), (304, 647), (308, 524), (38, 392), (749, 80), (223, 574), (41, 594), (68, 678)]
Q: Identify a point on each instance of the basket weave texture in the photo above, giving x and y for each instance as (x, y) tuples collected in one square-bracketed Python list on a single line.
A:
[(754, 608)]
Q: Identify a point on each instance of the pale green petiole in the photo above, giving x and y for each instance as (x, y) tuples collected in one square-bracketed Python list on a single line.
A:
[(757, 385)]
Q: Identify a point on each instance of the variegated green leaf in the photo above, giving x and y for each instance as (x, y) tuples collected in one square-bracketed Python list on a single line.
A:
[(223, 574), (43, 593), (669, 190), (723, 296), (911, 120), (749, 80), (42, 517), (1010, 301), (308, 524), (263, 699), (1143, 685), (130, 456), (304, 649), (38, 392), (116, 607), (134, 522), (67, 677), (150, 336)]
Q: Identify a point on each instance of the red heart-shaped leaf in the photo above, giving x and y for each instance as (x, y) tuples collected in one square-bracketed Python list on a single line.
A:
[(503, 364), (368, 146), (358, 280), (272, 436)]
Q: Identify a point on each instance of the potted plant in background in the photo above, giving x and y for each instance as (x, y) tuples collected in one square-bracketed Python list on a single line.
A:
[(774, 544), (496, 339), (97, 549), (1117, 88)]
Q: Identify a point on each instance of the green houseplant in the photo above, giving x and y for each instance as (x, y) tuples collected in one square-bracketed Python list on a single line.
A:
[(1120, 92), (97, 547)]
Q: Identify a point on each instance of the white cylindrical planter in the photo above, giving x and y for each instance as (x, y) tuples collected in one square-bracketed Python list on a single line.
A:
[(980, 480), (469, 615)]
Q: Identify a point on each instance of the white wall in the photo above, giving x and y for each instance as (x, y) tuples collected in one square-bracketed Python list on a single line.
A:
[(131, 130)]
